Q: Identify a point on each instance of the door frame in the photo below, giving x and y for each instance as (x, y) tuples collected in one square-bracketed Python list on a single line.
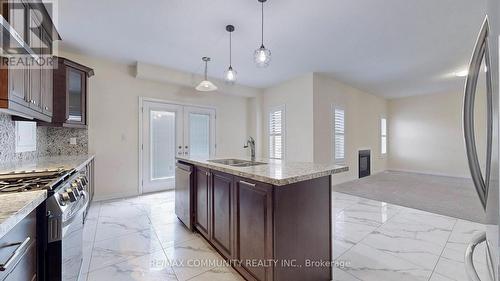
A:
[(140, 145)]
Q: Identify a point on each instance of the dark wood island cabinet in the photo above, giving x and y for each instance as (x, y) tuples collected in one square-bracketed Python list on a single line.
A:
[(270, 229)]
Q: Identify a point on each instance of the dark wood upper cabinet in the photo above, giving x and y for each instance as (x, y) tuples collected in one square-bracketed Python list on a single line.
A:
[(26, 91), (70, 93), (47, 81)]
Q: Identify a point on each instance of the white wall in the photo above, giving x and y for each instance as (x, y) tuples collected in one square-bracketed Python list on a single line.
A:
[(362, 124), (297, 97), (308, 100), (425, 134), (114, 118)]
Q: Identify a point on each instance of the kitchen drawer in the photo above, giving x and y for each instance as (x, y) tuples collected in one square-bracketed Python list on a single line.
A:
[(25, 267), (24, 229)]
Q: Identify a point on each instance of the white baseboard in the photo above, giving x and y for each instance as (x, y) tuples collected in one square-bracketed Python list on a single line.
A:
[(340, 178), (106, 197), (428, 173)]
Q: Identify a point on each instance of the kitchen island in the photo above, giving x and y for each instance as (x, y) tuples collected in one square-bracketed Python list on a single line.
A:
[(272, 221)]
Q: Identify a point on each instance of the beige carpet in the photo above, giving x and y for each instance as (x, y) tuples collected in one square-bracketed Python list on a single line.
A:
[(454, 197)]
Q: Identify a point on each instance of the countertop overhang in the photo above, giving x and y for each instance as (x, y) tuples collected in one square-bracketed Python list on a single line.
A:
[(14, 207), (275, 172), (47, 163)]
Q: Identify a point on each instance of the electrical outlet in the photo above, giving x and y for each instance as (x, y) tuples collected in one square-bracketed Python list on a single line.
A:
[(72, 141)]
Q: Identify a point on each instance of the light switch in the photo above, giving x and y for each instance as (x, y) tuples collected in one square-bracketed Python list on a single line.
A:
[(72, 141)]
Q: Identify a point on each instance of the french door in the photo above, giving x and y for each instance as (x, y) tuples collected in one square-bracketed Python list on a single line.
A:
[(168, 131)]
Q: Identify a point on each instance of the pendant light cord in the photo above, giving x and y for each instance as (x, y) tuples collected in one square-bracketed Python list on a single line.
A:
[(262, 34), (206, 69), (230, 49)]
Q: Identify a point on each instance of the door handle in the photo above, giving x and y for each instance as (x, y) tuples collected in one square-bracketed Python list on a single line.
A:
[(470, 269), (480, 51)]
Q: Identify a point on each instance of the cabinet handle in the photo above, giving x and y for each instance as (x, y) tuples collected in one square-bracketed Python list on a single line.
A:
[(15, 254), (247, 183)]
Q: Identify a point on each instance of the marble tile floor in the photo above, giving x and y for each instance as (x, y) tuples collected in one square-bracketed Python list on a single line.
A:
[(140, 238)]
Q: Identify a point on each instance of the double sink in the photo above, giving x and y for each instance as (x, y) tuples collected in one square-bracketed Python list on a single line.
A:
[(237, 162)]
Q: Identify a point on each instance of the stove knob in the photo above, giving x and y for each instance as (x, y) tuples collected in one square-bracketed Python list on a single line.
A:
[(79, 184), (76, 186), (71, 194), (84, 180), (64, 198)]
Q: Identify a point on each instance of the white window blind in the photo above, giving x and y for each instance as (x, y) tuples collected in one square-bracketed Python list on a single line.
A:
[(276, 133), (383, 135), (339, 134)]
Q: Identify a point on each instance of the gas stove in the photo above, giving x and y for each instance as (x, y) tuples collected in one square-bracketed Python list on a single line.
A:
[(32, 180)]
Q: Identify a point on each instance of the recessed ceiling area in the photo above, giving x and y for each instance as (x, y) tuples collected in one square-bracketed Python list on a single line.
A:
[(390, 48)]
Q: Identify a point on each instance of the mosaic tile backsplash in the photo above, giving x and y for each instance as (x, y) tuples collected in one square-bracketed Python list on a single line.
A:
[(50, 141)]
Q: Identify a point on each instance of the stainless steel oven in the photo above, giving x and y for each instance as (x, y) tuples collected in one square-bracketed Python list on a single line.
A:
[(66, 209)]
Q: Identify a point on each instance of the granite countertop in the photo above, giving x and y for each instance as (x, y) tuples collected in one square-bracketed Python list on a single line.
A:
[(47, 163), (275, 172), (14, 207)]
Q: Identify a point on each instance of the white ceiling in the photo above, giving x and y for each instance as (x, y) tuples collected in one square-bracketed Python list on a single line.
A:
[(390, 48)]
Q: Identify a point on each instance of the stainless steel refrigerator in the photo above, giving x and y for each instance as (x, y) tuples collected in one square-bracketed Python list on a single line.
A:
[(483, 74)]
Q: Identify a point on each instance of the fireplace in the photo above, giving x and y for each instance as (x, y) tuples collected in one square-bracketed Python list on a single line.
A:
[(364, 163)]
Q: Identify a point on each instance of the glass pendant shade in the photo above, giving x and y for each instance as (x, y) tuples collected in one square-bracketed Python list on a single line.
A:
[(206, 86), (230, 75), (262, 56)]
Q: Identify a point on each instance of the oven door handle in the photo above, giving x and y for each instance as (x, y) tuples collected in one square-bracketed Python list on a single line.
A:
[(20, 249), (70, 220)]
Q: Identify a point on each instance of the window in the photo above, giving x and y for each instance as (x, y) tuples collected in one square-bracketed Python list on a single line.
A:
[(383, 135), (339, 135), (276, 132)]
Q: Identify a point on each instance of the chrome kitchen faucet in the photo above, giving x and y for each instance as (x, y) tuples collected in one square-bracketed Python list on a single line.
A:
[(251, 144)]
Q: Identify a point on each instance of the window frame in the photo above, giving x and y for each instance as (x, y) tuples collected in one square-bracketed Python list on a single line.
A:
[(271, 111), (382, 136), (334, 146)]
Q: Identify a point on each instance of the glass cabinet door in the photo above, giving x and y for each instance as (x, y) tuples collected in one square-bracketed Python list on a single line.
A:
[(76, 96)]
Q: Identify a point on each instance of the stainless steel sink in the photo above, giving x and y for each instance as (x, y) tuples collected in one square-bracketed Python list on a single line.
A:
[(237, 162)]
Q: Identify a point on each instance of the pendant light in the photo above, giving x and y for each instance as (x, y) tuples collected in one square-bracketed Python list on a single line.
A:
[(205, 85), (262, 56), (230, 74)]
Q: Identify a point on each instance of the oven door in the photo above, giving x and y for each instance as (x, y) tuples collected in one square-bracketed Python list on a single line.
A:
[(72, 241)]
